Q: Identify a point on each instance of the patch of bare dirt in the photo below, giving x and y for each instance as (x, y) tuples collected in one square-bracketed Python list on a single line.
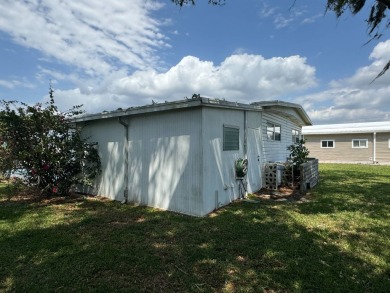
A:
[(33, 195), (284, 193)]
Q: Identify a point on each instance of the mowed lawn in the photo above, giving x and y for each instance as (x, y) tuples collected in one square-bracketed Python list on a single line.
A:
[(339, 241)]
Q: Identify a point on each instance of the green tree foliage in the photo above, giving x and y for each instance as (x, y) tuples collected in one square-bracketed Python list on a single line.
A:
[(298, 152), (44, 143), (376, 17)]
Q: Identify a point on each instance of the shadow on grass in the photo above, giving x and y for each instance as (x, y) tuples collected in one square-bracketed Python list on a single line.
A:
[(106, 246), (360, 189)]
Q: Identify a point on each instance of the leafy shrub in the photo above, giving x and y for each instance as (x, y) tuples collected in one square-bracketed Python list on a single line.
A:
[(298, 152), (44, 143)]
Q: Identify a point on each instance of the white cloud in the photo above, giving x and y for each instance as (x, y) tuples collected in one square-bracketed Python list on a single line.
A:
[(239, 77), (95, 36), (13, 83), (267, 10), (283, 17), (244, 77), (312, 18), (357, 98), (7, 83)]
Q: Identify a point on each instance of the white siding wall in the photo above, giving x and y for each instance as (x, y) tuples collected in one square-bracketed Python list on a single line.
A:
[(220, 185), (176, 158), (254, 151), (165, 161), (274, 151), (110, 136)]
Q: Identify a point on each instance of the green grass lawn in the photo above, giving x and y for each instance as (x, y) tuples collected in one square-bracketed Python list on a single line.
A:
[(337, 242)]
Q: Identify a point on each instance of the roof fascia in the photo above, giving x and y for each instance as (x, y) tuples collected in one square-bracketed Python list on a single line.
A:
[(301, 112), (160, 107)]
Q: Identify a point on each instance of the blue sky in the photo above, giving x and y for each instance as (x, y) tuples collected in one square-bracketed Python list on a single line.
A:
[(128, 53)]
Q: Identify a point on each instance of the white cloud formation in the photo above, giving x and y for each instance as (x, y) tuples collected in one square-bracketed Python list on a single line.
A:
[(8, 83), (357, 98), (243, 77), (283, 17), (94, 36), (282, 21), (312, 18), (13, 83)]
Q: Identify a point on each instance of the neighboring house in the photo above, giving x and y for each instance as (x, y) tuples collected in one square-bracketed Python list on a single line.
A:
[(353, 142), (180, 156)]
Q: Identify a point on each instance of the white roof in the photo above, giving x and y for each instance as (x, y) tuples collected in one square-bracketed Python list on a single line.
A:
[(197, 101), (365, 127)]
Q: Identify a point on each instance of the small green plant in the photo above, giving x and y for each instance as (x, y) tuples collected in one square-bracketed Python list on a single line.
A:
[(298, 153)]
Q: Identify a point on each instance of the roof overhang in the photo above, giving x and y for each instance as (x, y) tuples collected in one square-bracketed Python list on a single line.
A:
[(367, 127), (272, 106)]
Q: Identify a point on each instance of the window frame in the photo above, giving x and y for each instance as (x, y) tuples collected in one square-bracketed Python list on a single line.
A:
[(273, 131), (360, 147), (295, 134), (328, 147), (225, 144)]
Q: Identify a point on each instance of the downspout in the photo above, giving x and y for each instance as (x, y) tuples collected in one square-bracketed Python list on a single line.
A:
[(374, 148), (246, 145), (245, 135), (126, 190)]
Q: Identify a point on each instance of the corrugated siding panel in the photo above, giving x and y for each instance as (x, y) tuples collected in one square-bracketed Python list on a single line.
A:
[(343, 150), (110, 136), (382, 147), (165, 160), (220, 185), (255, 160)]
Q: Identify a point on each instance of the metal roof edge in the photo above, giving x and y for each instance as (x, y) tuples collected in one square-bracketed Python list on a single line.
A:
[(304, 116), (165, 106)]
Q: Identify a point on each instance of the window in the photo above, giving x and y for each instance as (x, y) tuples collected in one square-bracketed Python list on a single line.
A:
[(327, 144), (295, 136), (231, 138), (359, 143), (273, 131)]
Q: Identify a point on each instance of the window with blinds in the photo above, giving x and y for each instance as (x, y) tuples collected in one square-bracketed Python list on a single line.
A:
[(231, 138)]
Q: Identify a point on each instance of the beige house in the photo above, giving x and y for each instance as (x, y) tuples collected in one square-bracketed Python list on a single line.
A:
[(353, 142)]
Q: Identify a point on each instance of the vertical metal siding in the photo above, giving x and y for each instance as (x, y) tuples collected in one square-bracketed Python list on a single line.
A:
[(165, 156), (219, 183), (109, 135), (255, 152), (176, 158)]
